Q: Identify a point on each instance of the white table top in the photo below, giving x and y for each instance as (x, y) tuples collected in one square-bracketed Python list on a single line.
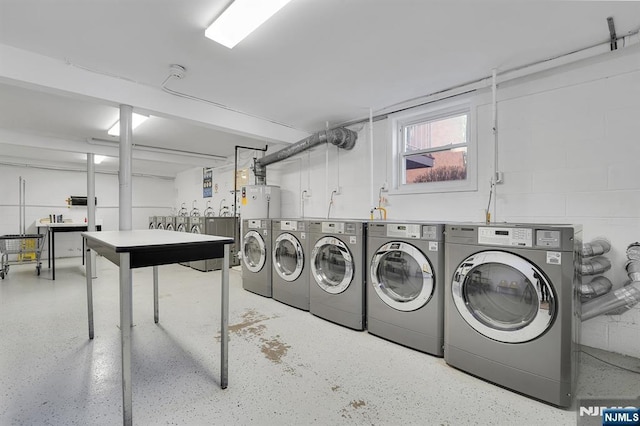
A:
[(148, 238)]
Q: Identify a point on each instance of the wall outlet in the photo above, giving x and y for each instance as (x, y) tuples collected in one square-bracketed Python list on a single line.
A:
[(385, 187), (499, 177), (338, 190), (306, 193)]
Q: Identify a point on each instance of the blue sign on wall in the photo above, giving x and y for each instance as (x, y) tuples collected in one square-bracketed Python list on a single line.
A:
[(207, 182)]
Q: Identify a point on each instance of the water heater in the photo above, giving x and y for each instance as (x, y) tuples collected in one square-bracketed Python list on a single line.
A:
[(260, 202)]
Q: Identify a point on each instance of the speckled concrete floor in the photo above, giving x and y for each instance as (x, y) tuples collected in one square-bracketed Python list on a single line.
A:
[(286, 366)]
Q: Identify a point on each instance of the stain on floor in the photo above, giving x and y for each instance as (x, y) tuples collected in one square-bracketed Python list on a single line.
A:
[(250, 326), (273, 349), (335, 388), (358, 404)]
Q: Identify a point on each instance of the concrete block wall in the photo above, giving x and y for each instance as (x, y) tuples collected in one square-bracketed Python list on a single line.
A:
[(47, 190), (567, 145)]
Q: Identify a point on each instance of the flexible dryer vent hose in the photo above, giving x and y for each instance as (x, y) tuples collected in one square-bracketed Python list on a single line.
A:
[(595, 288), (627, 296)]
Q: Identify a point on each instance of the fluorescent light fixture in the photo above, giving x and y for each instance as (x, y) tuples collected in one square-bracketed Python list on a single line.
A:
[(240, 19), (97, 159), (136, 120)]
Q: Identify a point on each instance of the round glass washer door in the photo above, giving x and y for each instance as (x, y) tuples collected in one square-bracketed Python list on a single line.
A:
[(331, 265), (503, 296), (195, 229), (402, 276), (253, 251), (288, 257)]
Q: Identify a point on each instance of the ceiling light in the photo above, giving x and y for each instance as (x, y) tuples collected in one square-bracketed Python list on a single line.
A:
[(240, 19), (136, 120), (97, 159)]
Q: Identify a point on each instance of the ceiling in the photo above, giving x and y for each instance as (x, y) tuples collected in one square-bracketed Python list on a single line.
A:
[(316, 63)]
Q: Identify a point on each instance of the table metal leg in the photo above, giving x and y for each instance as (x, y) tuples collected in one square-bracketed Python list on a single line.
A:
[(53, 255), (224, 327), (89, 274), (125, 335), (48, 237), (156, 313)]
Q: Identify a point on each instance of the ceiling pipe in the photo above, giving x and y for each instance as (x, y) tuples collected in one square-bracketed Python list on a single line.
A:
[(340, 137)]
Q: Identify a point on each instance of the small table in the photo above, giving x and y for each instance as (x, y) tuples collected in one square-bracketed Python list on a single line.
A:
[(153, 247), (52, 228)]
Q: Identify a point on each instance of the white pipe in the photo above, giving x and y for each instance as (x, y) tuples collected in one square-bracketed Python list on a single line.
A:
[(126, 193), (371, 190), (494, 125)]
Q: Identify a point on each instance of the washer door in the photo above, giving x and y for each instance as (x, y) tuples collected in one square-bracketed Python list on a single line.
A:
[(253, 251), (402, 276), (503, 296), (288, 257), (160, 226), (181, 228), (332, 265), (195, 229), (170, 227), (152, 225)]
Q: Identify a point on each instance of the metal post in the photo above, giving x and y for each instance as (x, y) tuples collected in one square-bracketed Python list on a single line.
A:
[(91, 207), (126, 136), (156, 311), (125, 336), (224, 327), (89, 274), (125, 210)]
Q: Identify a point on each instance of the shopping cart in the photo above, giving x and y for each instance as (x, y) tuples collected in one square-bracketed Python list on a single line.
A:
[(20, 248)]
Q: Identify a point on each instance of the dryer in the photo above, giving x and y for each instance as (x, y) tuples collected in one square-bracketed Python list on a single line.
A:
[(170, 223), (256, 258), (337, 277), (290, 277), (405, 294), (160, 220), (511, 306), (195, 224), (181, 223)]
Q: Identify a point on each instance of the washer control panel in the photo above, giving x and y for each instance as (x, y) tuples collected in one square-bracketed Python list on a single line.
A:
[(403, 230), (545, 238), (495, 236), (333, 227), (289, 225)]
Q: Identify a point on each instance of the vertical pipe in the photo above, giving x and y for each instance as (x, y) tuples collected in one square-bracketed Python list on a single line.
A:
[(91, 206), (371, 191), (126, 136), (20, 205), (494, 125)]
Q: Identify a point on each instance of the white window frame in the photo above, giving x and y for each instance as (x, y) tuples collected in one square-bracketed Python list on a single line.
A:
[(433, 112)]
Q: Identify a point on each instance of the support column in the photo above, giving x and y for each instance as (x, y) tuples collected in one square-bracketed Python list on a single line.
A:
[(91, 208), (126, 136)]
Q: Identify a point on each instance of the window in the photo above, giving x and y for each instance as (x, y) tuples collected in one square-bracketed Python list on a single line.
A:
[(434, 150)]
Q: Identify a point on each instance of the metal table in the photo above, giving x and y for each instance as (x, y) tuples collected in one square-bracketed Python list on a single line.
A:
[(153, 247), (52, 228)]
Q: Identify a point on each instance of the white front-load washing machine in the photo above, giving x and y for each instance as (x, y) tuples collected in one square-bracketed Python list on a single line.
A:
[(511, 306), (337, 280), (256, 256), (405, 293), (290, 278), (160, 221), (152, 222)]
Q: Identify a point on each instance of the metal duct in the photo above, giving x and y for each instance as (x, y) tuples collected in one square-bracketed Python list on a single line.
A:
[(340, 137), (596, 247), (595, 288), (595, 265), (627, 296)]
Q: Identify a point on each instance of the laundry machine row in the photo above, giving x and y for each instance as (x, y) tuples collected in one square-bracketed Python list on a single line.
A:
[(497, 301)]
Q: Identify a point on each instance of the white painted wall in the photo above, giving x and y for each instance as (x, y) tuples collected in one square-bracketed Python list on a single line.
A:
[(568, 148), (47, 190)]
